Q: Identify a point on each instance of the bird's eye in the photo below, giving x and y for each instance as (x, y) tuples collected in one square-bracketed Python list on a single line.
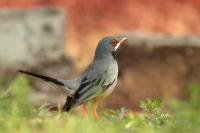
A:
[(114, 42)]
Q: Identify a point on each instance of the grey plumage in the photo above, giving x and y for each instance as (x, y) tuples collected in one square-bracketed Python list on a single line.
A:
[(99, 77)]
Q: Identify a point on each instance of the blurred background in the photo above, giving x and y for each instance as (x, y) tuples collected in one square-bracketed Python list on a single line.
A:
[(58, 38)]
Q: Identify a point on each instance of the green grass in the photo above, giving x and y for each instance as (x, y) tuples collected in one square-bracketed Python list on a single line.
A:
[(17, 115)]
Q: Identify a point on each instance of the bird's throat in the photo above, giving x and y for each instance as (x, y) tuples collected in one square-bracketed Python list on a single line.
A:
[(114, 54)]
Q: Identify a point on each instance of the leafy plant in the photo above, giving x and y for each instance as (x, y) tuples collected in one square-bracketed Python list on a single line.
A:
[(19, 116), (153, 111)]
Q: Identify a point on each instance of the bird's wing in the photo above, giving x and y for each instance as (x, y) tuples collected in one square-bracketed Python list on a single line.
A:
[(94, 82), (93, 88)]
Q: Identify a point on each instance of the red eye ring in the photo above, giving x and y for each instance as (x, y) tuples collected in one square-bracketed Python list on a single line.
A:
[(114, 42)]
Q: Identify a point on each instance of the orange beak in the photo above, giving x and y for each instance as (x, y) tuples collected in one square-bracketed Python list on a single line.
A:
[(120, 42)]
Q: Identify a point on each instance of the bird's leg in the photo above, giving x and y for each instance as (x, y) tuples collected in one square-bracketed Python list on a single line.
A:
[(85, 110), (95, 113)]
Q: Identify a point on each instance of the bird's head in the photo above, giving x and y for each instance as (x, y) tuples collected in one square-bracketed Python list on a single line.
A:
[(109, 45)]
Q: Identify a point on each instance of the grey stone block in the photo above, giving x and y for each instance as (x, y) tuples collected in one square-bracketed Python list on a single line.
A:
[(29, 37)]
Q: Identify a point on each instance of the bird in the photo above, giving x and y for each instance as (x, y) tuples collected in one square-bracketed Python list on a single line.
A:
[(96, 82)]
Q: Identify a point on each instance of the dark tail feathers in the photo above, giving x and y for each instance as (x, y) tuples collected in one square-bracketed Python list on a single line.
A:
[(45, 78)]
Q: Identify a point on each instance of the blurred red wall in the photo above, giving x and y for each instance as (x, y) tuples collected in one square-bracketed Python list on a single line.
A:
[(88, 20)]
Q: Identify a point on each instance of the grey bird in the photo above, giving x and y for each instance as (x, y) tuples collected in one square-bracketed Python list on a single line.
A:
[(97, 81)]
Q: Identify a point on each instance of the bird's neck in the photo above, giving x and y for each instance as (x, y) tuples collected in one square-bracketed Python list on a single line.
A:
[(105, 55)]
